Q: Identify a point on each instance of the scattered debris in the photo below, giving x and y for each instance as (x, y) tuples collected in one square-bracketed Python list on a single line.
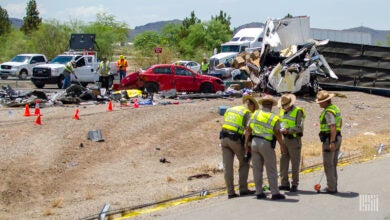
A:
[(95, 135), (164, 160), (369, 133), (199, 176)]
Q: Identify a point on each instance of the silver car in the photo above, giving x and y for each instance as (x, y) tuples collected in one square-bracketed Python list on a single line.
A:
[(194, 66)]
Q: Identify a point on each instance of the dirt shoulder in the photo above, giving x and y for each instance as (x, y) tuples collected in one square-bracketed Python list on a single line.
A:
[(47, 175)]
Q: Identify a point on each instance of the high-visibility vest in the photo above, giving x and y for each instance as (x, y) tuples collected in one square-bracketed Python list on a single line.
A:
[(234, 119), (105, 70), (289, 120), (69, 67), (262, 124), (324, 127), (122, 64), (205, 66)]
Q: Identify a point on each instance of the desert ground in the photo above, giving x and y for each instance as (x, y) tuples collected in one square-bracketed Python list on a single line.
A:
[(52, 171)]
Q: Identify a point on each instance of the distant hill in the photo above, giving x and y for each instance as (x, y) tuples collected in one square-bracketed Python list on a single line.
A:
[(376, 35), (16, 22), (155, 26)]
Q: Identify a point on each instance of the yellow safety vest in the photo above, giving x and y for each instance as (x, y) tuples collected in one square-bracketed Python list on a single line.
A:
[(234, 119), (69, 67), (324, 127), (289, 120), (105, 70), (205, 66), (262, 124)]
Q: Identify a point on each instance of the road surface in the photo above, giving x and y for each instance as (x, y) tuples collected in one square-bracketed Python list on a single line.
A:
[(364, 193)]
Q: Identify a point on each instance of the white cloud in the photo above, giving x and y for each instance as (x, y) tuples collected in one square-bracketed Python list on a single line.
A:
[(84, 12), (16, 10)]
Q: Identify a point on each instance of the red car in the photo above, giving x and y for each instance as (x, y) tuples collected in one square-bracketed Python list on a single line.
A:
[(162, 77)]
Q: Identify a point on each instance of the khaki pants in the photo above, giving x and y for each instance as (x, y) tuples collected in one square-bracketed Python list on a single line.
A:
[(330, 163), (229, 149), (264, 154), (294, 154)]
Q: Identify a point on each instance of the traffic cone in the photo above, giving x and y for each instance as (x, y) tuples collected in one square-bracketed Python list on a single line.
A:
[(38, 121), (135, 105), (37, 110), (26, 111), (76, 114), (109, 107)]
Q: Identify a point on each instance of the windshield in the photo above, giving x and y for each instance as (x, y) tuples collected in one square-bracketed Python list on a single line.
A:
[(61, 59), (230, 48), (20, 59)]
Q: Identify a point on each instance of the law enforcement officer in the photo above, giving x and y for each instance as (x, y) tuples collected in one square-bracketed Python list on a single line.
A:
[(292, 129), (264, 127), (330, 135), (235, 121)]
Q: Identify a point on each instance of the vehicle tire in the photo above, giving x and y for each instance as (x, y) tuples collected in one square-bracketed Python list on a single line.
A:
[(314, 87), (23, 75), (152, 87), (206, 88), (59, 82), (4, 77), (39, 85)]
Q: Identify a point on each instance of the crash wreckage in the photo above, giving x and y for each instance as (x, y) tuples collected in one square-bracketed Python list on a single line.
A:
[(287, 62)]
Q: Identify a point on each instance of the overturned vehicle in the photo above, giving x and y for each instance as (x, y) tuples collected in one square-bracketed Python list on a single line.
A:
[(288, 61)]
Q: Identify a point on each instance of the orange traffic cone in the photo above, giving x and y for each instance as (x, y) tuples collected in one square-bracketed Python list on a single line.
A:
[(76, 114), (136, 105), (38, 121), (37, 110), (26, 111), (109, 107)]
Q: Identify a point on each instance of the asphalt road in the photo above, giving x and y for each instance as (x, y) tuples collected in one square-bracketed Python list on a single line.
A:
[(364, 193)]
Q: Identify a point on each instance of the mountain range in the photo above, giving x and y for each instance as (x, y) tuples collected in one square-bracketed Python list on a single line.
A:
[(376, 35)]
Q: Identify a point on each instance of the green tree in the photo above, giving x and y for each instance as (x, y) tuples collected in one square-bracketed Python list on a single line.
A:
[(187, 22), (108, 32), (146, 42), (223, 18), (32, 19), (51, 38), (13, 43), (5, 24), (378, 43)]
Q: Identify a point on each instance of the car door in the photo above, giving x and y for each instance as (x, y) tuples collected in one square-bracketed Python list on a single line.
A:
[(185, 80), (35, 60), (85, 71), (163, 75)]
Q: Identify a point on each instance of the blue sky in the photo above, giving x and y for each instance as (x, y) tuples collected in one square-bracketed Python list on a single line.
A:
[(329, 14)]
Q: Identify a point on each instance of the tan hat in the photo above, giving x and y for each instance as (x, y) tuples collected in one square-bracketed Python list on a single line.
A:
[(323, 96), (286, 100), (249, 97), (268, 98)]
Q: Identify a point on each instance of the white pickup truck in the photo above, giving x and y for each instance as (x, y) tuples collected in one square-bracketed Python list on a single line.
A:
[(52, 72), (21, 65)]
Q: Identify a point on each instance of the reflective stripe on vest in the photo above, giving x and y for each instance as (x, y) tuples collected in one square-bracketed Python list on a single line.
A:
[(234, 119), (69, 67), (105, 70), (289, 120), (262, 124), (324, 127), (204, 66)]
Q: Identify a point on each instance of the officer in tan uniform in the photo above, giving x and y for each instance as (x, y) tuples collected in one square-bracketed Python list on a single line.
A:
[(292, 129), (264, 129), (330, 136), (232, 142)]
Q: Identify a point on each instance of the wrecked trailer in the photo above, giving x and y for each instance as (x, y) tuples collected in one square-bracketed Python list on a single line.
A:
[(364, 68), (288, 61)]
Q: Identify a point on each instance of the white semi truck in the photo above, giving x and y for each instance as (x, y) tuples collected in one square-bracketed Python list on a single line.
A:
[(244, 39)]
